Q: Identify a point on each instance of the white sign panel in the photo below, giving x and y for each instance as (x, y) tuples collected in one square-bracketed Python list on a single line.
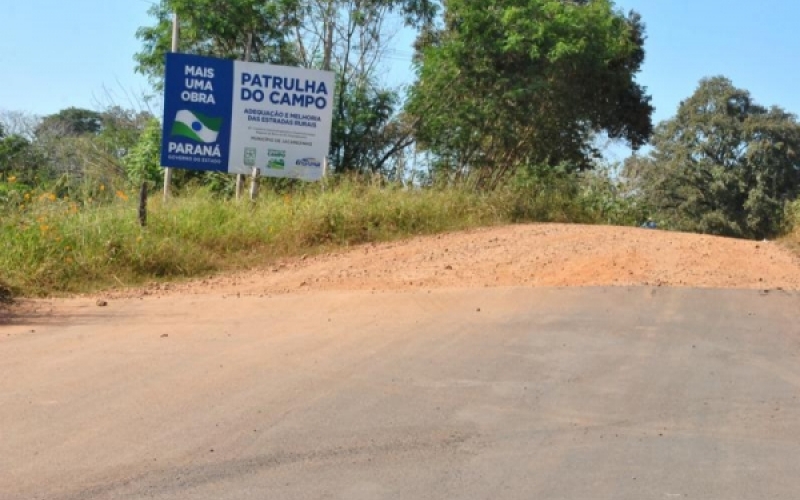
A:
[(281, 120)]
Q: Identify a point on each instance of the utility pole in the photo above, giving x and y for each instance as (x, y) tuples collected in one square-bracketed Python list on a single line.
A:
[(168, 170), (326, 65)]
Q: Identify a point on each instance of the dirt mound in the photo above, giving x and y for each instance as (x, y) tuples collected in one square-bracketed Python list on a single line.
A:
[(526, 255)]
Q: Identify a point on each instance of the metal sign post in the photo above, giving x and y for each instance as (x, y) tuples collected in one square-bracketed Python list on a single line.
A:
[(168, 170), (240, 177), (254, 184)]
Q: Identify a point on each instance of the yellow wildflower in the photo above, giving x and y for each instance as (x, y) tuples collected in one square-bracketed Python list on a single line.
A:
[(121, 195), (12, 179), (102, 187), (43, 228)]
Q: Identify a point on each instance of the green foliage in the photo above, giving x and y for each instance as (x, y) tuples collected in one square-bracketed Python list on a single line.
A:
[(143, 163), (528, 82), (793, 215), (277, 31), (70, 153), (70, 122), (19, 158), (610, 200), (791, 237), (364, 135), (124, 149), (122, 128), (559, 194), (227, 29), (723, 165)]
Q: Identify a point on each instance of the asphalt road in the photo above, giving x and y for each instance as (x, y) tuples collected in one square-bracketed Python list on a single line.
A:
[(504, 393)]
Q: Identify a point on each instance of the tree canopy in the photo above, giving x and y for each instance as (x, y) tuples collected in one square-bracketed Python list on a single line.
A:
[(233, 29), (70, 122), (528, 81), (723, 165)]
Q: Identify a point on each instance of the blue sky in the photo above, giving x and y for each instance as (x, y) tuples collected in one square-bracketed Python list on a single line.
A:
[(56, 54)]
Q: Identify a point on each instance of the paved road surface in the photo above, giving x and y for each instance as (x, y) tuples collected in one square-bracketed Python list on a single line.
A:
[(597, 393)]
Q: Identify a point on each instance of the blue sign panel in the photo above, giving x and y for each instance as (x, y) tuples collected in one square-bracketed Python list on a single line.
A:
[(198, 103)]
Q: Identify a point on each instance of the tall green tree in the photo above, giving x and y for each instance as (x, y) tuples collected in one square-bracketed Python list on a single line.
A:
[(70, 122), (260, 30), (519, 82), (143, 163), (723, 165)]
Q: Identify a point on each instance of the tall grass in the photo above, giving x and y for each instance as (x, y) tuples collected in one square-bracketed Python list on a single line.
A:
[(792, 237), (54, 246)]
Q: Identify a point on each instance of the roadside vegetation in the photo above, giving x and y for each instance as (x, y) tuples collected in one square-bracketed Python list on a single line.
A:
[(501, 124), (792, 233), (58, 245)]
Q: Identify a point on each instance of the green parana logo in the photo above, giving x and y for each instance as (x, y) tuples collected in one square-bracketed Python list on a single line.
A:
[(196, 126), (276, 159)]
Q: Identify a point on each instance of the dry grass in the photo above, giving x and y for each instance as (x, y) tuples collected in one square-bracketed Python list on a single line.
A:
[(792, 237), (55, 247)]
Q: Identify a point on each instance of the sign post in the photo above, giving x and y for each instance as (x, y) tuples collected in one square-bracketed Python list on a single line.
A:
[(254, 184), (168, 170), (236, 116), (240, 177), (239, 185)]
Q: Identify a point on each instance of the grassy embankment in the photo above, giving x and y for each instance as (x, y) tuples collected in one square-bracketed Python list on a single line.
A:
[(56, 246), (52, 246)]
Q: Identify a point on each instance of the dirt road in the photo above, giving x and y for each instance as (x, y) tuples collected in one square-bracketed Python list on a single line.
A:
[(525, 255), (300, 381)]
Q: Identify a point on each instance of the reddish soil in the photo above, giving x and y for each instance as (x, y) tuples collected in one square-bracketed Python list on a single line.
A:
[(553, 255)]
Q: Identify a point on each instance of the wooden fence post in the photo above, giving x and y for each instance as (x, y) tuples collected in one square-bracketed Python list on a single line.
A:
[(143, 204)]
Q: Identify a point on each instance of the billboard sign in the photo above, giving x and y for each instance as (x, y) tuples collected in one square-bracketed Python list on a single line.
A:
[(232, 116)]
